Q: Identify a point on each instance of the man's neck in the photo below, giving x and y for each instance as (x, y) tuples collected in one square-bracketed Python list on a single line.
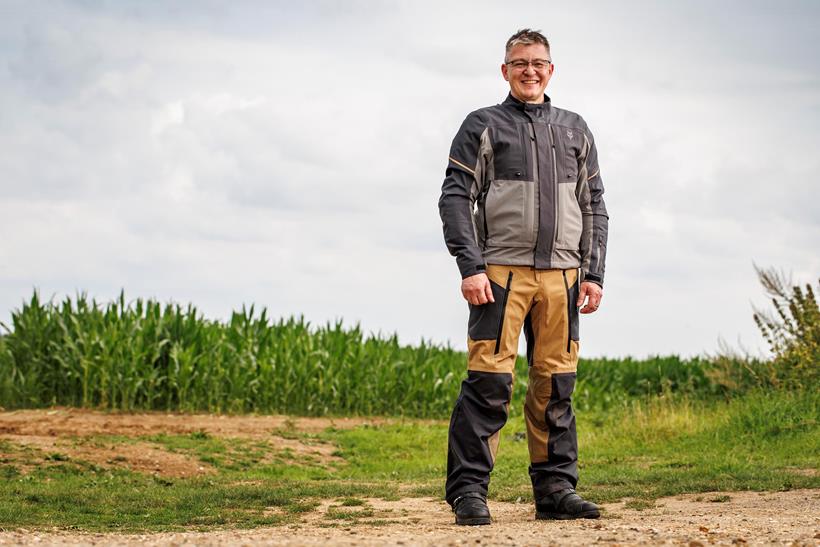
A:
[(539, 100)]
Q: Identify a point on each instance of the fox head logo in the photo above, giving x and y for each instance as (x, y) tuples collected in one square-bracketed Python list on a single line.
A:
[(569, 133)]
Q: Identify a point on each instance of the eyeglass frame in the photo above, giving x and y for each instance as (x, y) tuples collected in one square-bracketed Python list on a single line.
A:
[(525, 67)]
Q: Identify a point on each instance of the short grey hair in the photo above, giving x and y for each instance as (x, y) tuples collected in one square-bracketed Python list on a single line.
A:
[(526, 36)]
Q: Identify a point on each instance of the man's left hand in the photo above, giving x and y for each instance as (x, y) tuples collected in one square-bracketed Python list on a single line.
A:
[(592, 293)]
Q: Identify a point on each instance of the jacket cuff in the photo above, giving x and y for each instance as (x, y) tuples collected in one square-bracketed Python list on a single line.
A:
[(473, 270), (594, 278)]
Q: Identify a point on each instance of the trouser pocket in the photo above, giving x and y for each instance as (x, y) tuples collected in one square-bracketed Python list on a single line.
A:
[(487, 320), (572, 310)]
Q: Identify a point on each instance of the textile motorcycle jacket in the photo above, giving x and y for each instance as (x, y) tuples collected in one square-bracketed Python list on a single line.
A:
[(523, 188)]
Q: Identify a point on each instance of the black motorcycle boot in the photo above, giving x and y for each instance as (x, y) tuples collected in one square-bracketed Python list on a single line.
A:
[(564, 505), (471, 509)]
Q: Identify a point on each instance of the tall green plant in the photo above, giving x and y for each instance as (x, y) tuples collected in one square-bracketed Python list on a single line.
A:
[(148, 355), (792, 330)]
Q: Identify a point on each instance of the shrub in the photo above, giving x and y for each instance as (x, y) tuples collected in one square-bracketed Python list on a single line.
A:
[(792, 331)]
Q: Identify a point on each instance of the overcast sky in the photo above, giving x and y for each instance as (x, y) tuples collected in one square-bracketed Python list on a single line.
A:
[(291, 155)]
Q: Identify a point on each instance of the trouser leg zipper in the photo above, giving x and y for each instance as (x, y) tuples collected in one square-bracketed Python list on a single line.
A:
[(503, 309), (569, 311)]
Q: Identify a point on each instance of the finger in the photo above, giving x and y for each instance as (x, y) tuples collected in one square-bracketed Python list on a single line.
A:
[(596, 301), (592, 303), (581, 295), (488, 292)]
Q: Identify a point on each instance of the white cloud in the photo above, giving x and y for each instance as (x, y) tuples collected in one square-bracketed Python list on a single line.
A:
[(292, 156)]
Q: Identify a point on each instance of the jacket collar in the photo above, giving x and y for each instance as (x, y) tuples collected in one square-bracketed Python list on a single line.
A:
[(539, 109)]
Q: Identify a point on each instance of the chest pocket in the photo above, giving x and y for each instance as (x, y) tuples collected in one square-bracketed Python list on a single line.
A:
[(569, 226), (569, 141), (510, 144)]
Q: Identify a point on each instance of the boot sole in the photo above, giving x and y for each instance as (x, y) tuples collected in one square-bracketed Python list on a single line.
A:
[(473, 521), (545, 515)]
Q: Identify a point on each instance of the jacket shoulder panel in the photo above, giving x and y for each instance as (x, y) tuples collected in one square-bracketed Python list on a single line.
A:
[(464, 149), (568, 118), (498, 114)]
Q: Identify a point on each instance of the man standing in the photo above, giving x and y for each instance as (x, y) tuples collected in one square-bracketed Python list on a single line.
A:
[(523, 211)]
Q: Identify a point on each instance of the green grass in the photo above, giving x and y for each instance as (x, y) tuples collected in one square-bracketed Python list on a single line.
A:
[(649, 449), (642, 451), (352, 502)]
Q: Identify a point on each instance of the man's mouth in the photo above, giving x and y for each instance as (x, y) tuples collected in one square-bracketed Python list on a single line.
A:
[(530, 81)]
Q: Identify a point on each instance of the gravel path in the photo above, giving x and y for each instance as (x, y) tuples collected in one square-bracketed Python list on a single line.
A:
[(727, 518)]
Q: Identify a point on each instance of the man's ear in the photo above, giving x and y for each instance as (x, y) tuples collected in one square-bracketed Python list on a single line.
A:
[(504, 72)]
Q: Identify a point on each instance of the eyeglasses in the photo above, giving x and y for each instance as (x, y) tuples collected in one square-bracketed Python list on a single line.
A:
[(538, 64)]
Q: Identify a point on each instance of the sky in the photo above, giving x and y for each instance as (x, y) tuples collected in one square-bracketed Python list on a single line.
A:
[(290, 155)]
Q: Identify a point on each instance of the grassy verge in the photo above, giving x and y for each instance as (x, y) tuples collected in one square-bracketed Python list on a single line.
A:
[(659, 447), (642, 450)]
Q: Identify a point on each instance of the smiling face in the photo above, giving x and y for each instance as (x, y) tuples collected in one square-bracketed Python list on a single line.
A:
[(527, 83)]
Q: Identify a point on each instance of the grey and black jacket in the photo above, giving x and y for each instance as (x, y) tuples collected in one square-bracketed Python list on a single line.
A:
[(523, 188)]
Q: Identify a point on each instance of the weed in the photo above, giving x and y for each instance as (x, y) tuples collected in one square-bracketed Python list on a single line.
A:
[(300, 507), (639, 504), (9, 472), (792, 331), (351, 502), (335, 513)]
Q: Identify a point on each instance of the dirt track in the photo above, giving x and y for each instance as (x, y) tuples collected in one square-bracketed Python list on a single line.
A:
[(734, 518), (77, 422), (781, 518)]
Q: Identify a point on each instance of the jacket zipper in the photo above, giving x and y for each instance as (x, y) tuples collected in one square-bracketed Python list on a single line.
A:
[(484, 215), (554, 190), (503, 309), (569, 311), (536, 194), (600, 253), (485, 191)]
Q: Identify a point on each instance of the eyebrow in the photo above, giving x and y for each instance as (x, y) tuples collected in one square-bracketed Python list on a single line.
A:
[(530, 60)]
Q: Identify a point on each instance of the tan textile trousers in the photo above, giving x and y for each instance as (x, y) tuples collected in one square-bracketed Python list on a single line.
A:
[(542, 302)]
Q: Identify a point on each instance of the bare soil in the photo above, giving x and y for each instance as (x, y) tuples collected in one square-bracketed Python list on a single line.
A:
[(79, 422), (141, 457), (745, 518), (726, 518), (67, 434)]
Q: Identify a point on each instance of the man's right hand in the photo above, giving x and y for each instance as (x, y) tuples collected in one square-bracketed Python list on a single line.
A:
[(477, 290)]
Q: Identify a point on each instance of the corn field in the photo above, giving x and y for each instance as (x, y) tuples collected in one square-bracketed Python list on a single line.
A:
[(144, 355)]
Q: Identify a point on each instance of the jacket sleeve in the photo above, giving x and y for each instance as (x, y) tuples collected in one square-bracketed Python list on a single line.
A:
[(459, 191), (596, 218)]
